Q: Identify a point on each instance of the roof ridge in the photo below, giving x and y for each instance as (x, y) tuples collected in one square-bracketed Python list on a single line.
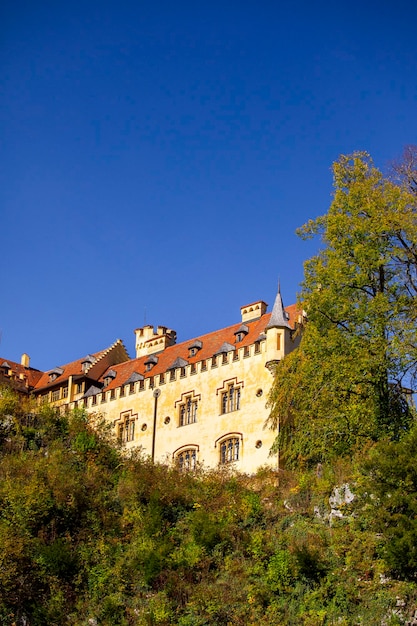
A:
[(218, 330), (105, 353)]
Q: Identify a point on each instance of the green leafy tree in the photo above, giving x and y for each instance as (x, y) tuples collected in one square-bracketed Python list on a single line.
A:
[(387, 502), (344, 384)]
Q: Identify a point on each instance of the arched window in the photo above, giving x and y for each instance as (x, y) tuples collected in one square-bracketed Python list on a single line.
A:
[(229, 450), (187, 459)]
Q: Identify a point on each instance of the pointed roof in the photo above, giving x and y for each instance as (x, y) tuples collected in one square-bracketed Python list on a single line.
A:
[(179, 362), (134, 378), (279, 317), (92, 391), (225, 347)]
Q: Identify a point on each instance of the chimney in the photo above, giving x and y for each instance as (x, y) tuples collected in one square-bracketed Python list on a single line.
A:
[(149, 342), (25, 360), (253, 311)]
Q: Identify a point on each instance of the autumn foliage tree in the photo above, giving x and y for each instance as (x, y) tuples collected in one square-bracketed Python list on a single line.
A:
[(345, 384)]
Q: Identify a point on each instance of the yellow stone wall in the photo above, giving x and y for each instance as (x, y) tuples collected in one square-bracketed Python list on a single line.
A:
[(248, 372)]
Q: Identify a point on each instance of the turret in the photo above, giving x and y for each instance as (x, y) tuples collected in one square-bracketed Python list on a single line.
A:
[(278, 332)]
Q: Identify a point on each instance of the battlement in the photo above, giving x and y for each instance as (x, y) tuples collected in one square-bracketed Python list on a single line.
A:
[(149, 341)]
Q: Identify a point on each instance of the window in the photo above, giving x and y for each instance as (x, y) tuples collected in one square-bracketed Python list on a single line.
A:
[(150, 362), (193, 368), (231, 399), (127, 430), (214, 361), (246, 351), (112, 394), (188, 412), (103, 397), (172, 375), (87, 362), (203, 365), (94, 400), (161, 379), (182, 372), (186, 460), (229, 450), (78, 388), (194, 347), (257, 347), (58, 371), (224, 358), (131, 388), (55, 395), (241, 333), (65, 392)]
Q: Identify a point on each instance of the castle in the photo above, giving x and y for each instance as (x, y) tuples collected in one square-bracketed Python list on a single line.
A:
[(202, 401)]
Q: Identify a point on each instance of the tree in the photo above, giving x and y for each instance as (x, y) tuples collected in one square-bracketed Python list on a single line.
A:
[(386, 502), (344, 384)]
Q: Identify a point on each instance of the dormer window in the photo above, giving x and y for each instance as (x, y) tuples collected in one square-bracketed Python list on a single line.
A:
[(150, 362), (108, 377), (178, 363), (224, 349), (53, 375), (6, 368), (194, 347), (87, 362), (241, 333)]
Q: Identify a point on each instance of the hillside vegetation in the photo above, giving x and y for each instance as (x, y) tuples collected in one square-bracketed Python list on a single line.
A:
[(91, 536)]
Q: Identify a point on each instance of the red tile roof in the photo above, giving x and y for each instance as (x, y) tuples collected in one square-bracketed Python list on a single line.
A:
[(211, 344), (30, 375), (75, 369), (70, 369)]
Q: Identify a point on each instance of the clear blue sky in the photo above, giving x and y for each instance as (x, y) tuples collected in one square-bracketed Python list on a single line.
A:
[(157, 157)]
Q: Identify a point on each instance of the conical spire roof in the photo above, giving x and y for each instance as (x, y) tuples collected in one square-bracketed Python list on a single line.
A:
[(279, 316)]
